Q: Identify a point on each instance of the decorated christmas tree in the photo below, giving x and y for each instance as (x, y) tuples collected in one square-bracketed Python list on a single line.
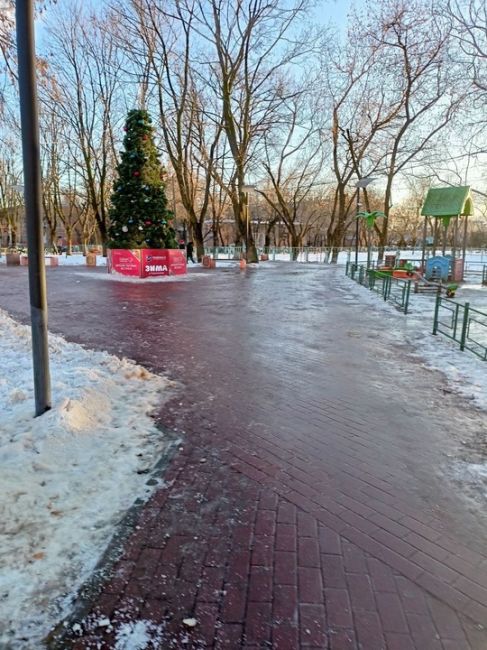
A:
[(138, 214)]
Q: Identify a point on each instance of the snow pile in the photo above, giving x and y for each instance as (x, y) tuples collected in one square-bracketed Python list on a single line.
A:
[(67, 477)]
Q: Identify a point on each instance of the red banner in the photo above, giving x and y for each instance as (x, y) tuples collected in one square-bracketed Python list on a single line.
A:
[(125, 262), (167, 261), (147, 262)]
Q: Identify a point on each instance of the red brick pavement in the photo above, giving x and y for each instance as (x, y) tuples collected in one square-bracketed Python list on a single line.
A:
[(309, 505)]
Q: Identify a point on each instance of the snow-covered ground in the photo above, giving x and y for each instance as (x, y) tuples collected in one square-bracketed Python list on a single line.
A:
[(68, 477), (465, 372), (474, 258), (78, 259)]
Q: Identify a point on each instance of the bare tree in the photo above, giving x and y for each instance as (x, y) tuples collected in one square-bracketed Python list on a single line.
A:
[(8, 59), (405, 220), (84, 63), (50, 181), (293, 161), (359, 111), (394, 89), (470, 30), (62, 198), (160, 44), (250, 46), (219, 203), (412, 44), (11, 200), (7, 10)]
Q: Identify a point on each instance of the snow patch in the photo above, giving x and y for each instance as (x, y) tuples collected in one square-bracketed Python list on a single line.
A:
[(68, 477), (466, 374), (472, 474), (138, 635)]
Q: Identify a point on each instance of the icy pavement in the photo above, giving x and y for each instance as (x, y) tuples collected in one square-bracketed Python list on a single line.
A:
[(322, 474)]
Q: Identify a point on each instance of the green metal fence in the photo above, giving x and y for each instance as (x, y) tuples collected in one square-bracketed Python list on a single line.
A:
[(393, 290), (463, 324), (484, 274)]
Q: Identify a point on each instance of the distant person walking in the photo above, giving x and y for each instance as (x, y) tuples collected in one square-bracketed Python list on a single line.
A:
[(189, 251)]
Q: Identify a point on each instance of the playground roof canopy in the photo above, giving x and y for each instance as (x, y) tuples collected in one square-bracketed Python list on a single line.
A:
[(448, 202)]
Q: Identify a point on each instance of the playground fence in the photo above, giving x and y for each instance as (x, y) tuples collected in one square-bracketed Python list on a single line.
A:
[(474, 267), (463, 324), (393, 290), (474, 261)]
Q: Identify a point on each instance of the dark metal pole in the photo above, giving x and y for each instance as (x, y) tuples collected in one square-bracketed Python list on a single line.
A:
[(356, 226), (24, 12), (423, 250), (464, 243)]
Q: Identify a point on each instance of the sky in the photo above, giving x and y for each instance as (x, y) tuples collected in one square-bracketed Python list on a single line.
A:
[(336, 11)]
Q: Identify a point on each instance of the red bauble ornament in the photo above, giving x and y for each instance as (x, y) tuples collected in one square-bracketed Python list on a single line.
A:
[(136, 173), (148, 223), (144, 137)]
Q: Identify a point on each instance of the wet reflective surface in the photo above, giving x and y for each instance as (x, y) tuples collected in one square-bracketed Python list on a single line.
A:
[(312, 490)]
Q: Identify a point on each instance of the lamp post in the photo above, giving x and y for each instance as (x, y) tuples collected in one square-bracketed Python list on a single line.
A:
[(362, 182), (246, 189), (24, 12)]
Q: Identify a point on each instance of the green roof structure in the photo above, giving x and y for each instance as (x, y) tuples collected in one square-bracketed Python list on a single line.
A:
[(448, 202)]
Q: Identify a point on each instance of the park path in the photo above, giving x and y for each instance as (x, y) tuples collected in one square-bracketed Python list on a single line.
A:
[(311, 502)]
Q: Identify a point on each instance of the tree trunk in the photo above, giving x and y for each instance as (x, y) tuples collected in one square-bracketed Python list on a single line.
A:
[(369, 249), (52, 237), (267, 241), (69, 241), (252, 256), (381, 250), (243, 230), (198, 240), (221, 240), (103, 231), (296, 245), (334, 242)]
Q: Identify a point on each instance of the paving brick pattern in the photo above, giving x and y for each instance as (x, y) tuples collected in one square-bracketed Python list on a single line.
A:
[(308, 505)]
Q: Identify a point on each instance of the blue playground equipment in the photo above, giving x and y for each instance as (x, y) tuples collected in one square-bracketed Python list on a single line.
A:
[(438, 268)]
